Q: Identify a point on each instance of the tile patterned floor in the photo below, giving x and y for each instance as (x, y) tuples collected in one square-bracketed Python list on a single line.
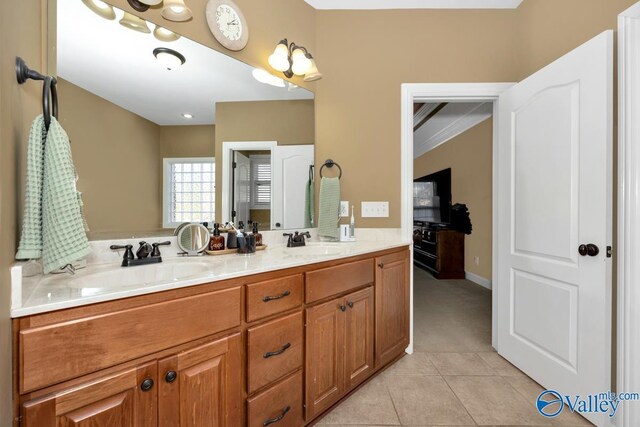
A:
[(454, 378)]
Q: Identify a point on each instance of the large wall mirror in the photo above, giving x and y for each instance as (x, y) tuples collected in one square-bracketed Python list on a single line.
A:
[(159, 124)]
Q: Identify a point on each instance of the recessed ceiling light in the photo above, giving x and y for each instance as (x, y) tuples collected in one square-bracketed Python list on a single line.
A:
[(169, 58), (187, 115)]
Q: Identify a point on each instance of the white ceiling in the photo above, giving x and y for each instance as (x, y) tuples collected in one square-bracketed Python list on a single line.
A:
[(414, 4), (118, 65)]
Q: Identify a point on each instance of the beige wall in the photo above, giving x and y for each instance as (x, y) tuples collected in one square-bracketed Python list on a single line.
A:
[(469, 155), (21, 33), (116, 154), (187, 141), (287, 122), (364, 62)]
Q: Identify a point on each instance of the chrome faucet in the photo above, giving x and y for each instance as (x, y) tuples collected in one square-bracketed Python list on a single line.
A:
[(297, 239)]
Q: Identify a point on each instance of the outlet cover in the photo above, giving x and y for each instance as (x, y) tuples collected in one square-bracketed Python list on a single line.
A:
[(375, 209), (344, 209)]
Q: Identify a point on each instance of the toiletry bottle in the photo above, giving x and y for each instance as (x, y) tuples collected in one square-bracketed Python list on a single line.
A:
[(352, 225), (217, 241), (257, 234), (241, 227), (232, 239)]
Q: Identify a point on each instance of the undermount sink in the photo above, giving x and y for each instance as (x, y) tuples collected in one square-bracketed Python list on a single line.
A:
[(317, 249), (129, 276)]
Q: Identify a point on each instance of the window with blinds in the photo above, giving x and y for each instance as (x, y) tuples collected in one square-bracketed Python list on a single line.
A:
[(189, 190), (260, 182)]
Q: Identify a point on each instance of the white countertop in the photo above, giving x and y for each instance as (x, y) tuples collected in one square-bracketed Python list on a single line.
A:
[(101, 282)]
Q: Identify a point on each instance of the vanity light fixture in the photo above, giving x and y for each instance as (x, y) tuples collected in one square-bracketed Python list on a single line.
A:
[(169, 58), (138, 6), (290, 59), (134, 23), (263, 76), (165, 35), (176, 10), (187, 115), (151, 2), (101, 9)]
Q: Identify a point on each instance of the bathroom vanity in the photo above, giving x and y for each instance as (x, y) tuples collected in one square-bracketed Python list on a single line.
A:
[(277, 347)]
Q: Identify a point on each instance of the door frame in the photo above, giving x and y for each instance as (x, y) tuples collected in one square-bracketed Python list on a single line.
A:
[(627, 250), (227, 182), (446, 92)]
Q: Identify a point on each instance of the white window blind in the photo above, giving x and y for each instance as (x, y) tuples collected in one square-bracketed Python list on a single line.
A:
[(260, 182), (189, 190)]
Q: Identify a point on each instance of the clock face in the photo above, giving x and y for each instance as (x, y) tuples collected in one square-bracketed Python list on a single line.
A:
[(227, 24)]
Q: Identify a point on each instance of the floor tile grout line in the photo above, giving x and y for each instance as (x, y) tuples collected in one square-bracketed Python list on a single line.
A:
[(460, 400)]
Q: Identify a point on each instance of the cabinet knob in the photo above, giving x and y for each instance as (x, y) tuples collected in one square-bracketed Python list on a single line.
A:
[(350, 304), (343, 308), (170, 376), (146, 385), (278, 418), (381, 265)]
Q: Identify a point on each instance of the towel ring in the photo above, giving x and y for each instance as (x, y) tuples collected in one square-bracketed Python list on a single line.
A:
[(49, 100), (330, 163)]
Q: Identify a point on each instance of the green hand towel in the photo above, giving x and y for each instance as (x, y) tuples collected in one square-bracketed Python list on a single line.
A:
[(309, 203), (30, 246), (329, 207), (59, 236)]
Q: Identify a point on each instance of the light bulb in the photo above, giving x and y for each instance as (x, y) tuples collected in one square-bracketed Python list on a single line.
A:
[(279, 59), (301, 64)]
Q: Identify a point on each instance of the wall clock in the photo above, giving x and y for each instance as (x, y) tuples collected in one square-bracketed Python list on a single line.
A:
[(227, 24)]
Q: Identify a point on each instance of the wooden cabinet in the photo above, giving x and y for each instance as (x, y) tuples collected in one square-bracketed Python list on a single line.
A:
[(280, 405), (339, 348), (127, 399), (392, 306), (440, 251), (202, 387)]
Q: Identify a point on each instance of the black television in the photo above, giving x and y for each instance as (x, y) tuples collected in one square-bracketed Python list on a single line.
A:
[(432, 198)]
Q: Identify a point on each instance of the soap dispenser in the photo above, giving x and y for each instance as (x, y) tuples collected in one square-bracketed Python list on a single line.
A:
[(352, 225), (217, 241), (257, 234)]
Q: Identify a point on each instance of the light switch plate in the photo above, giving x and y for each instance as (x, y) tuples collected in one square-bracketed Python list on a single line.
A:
[(375, 209), (344, 209)]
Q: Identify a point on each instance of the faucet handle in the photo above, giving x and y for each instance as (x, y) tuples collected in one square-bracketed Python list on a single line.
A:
[(156, 251), (128, 253)]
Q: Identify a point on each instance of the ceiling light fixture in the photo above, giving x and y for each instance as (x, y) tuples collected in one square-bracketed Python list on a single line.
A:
[(165, 35), (263, 76), (134, 23), (176, 10), (169, 58), (138, 5), (187, 115), (101, 9), (290, 59), (151, 2)]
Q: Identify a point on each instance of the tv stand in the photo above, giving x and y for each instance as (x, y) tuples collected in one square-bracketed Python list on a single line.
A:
[(440, 251)]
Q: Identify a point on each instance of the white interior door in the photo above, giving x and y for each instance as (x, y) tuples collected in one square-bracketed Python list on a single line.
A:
[(290, 174), (241, 188), (555, 194)]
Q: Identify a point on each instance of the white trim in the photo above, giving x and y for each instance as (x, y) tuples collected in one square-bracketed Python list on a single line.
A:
[(628, 250), (412, 4), (227, 148), (423, 112), (478, 280), (166, 161), (443, 92), (454, 119)]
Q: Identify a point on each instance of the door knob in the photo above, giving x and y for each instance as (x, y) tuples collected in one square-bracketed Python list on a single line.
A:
[(588, 250)]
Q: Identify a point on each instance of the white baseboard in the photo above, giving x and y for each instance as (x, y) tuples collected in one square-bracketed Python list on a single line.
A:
[(485, 283)]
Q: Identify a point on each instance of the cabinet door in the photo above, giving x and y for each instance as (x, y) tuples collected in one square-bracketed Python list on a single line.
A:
[(127, 399), (392, 306), (201, 387), (325, 342), (359, 337)]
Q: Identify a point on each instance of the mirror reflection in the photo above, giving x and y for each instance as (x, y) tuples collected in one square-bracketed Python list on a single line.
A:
[(148, 113)]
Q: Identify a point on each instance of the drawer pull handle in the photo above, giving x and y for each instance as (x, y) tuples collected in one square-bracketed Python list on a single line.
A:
[(170, 376), (278, 418), (282, 295), (350, 304), (146, 385), (277, 352)]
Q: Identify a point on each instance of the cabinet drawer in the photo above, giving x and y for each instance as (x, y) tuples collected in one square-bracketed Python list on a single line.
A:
[(341, 278), (273, 296), (274, 350), (280, 405), (54, 353)]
